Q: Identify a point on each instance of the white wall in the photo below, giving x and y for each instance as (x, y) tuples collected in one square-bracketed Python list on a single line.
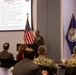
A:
[(68, 7), (13, 38)]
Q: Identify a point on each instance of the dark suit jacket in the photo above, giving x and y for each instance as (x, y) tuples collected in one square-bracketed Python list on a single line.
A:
[(6, 55), (26, 67)]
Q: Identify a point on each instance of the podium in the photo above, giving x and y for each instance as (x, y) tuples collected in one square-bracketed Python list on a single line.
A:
[(35, 48)]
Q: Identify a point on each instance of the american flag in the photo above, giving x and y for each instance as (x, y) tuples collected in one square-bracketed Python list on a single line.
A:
[(28, 34)]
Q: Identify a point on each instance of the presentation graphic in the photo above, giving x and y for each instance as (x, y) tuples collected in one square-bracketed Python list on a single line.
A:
[(13, 14)]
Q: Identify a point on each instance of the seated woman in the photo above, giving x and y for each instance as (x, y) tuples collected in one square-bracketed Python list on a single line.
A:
[(21, 49)]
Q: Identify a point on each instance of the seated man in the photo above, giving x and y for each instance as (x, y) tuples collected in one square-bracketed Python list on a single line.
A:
[(5, 54), (26, 66), (74, 52), (72, 61), (42, 60)]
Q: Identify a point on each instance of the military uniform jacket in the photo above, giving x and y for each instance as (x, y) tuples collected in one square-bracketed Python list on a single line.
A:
[(71, 62), (46, 62), (39, 40)]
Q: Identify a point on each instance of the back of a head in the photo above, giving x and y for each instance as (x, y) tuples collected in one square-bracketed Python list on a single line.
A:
[(42, 50), (6, 46), (29, 53)]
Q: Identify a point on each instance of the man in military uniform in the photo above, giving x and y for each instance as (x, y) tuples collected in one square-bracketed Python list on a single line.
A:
[(42, 60), (38, 40), (72, 61)]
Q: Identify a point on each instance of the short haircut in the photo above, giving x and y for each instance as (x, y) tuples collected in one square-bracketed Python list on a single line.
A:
[(29, 53), (38, 31), (42, 50), (6, 46)]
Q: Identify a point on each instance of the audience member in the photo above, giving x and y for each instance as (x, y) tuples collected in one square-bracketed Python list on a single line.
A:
[(26, 66), (38, 38), (74, 52), (21, 49), (72, 61), (42, 60), (5, 54)]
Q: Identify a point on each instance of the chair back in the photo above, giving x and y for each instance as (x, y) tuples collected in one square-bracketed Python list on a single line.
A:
[(48, 69), (74, 71), (70, 71)]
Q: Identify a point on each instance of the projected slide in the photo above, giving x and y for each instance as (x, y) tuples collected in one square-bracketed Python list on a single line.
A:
[(13, 14)]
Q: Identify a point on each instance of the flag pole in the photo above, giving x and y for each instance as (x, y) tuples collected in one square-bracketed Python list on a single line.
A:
[(27, 16)]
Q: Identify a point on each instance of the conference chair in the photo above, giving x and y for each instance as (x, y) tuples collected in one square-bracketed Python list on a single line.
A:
[(74, 70), (48, 69), (70, 71)]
